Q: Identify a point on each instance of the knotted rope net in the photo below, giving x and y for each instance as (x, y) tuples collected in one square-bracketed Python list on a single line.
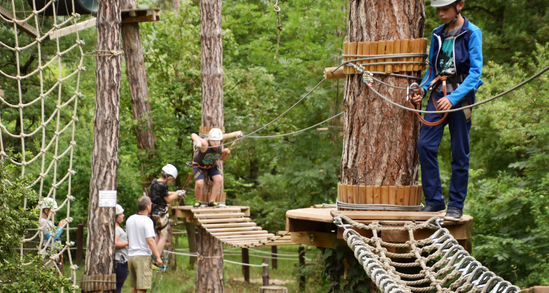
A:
[(39, 92), (437, 263)]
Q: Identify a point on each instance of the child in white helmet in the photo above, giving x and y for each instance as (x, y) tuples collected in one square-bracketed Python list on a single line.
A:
[(121, 252), (160, 198), (205, 160), (51, 235)]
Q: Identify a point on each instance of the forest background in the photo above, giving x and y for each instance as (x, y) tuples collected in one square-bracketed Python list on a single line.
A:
[(509, 182)]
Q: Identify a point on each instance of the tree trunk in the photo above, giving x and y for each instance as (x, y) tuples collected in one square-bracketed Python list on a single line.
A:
[(379, 147), (100, 244), (210, 269), (139, 95)]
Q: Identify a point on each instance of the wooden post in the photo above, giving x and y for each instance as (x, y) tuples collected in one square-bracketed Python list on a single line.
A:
[(79, 243), (301, 252), (246, 260), (139, 95), (210, 270), (274, 262), (265, 272), (100, 246), (191, 238)]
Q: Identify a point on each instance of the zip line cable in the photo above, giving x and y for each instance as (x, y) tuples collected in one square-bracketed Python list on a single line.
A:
[(295, 132)]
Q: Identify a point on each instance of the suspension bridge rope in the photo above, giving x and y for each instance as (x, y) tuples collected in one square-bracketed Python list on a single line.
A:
[(437, 263), (38, 100)]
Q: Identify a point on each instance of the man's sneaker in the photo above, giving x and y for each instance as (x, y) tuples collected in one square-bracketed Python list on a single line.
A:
[(429, 208), (222, 205), (213, 204), (454, 212)]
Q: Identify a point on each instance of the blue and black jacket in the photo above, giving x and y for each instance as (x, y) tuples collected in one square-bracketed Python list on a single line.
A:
[(467, 59)]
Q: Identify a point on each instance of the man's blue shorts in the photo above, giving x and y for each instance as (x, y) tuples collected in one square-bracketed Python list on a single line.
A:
[(211, 172)]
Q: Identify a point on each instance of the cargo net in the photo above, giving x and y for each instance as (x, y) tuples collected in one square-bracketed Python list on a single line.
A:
[(437, 263), (39, 92)]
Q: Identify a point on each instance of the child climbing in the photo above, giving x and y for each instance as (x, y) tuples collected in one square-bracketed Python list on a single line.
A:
[(455, 58), (209, 153), (160, 198)]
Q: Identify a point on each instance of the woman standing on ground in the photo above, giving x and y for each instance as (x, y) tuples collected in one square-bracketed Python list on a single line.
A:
[(121, 253)]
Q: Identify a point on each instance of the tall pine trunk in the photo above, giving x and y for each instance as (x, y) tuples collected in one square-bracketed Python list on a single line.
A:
[(100, 247), (210, 268), (379, 147), (139, 95)]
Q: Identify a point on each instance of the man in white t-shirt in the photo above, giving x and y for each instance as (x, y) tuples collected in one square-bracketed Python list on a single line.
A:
[(140, 230)]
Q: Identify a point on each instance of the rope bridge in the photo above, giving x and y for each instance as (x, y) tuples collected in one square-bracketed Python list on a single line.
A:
[(39, 94), (437, 263)]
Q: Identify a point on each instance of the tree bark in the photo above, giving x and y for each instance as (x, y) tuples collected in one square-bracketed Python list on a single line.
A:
[(379, 146), (139, 95), (210, 269), (100, 244)]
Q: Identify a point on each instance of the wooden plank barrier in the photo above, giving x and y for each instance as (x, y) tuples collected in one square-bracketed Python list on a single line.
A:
[(382, 47), (383, 195)]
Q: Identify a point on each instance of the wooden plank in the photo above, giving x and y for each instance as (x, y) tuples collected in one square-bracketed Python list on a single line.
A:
[(349, 193), (215, 210), (355, 194), (360, 51), (382, 215), (225, 220), (400, 195), (219, 215), (416, 43), (420, 194), (413, 194), (242, 237), (23, 26), (392, 195), (396, 50), (72, 29), (338, 74), (229, 225), (241, 233), (381, 51), (373, 51), (377, 194), (346, 52), (366, 51), (389, 50), (339, 191), (216, 230), (352, 51), (362, 194), (410, 67), (369, 194), (343, 192), (406, 195), (146, 18), (384, 194)]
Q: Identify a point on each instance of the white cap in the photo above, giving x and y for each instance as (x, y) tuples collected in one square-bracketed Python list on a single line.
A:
[(49, 203), (442, 3), (119, 209), (170, 170), (215, 134)]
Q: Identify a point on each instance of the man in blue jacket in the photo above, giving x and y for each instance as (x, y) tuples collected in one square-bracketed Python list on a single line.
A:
[(455, 59)]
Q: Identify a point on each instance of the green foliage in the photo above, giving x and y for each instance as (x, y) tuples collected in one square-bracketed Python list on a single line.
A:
[(16, 220), (335, 261)]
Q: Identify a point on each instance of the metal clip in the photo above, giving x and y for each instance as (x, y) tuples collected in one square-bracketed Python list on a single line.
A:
[(367, 77), (436, 222), (412, 86)]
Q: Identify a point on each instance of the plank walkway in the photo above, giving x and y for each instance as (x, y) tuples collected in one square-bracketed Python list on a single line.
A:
[(232, 226)]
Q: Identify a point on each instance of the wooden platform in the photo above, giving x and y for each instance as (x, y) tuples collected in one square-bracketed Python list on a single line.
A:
[(140, 15), (314, 226)]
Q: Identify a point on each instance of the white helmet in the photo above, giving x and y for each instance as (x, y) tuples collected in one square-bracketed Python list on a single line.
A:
[(442, 3), (215, 134), (49, 203), (119, 209), (170, 170)]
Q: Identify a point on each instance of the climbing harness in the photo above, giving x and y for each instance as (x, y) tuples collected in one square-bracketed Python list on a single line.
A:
[(442, 265)]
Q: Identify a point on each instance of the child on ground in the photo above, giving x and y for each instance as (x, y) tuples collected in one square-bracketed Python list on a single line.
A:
[(205, 160), (455, 59), (121, 252), (161, 197)]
